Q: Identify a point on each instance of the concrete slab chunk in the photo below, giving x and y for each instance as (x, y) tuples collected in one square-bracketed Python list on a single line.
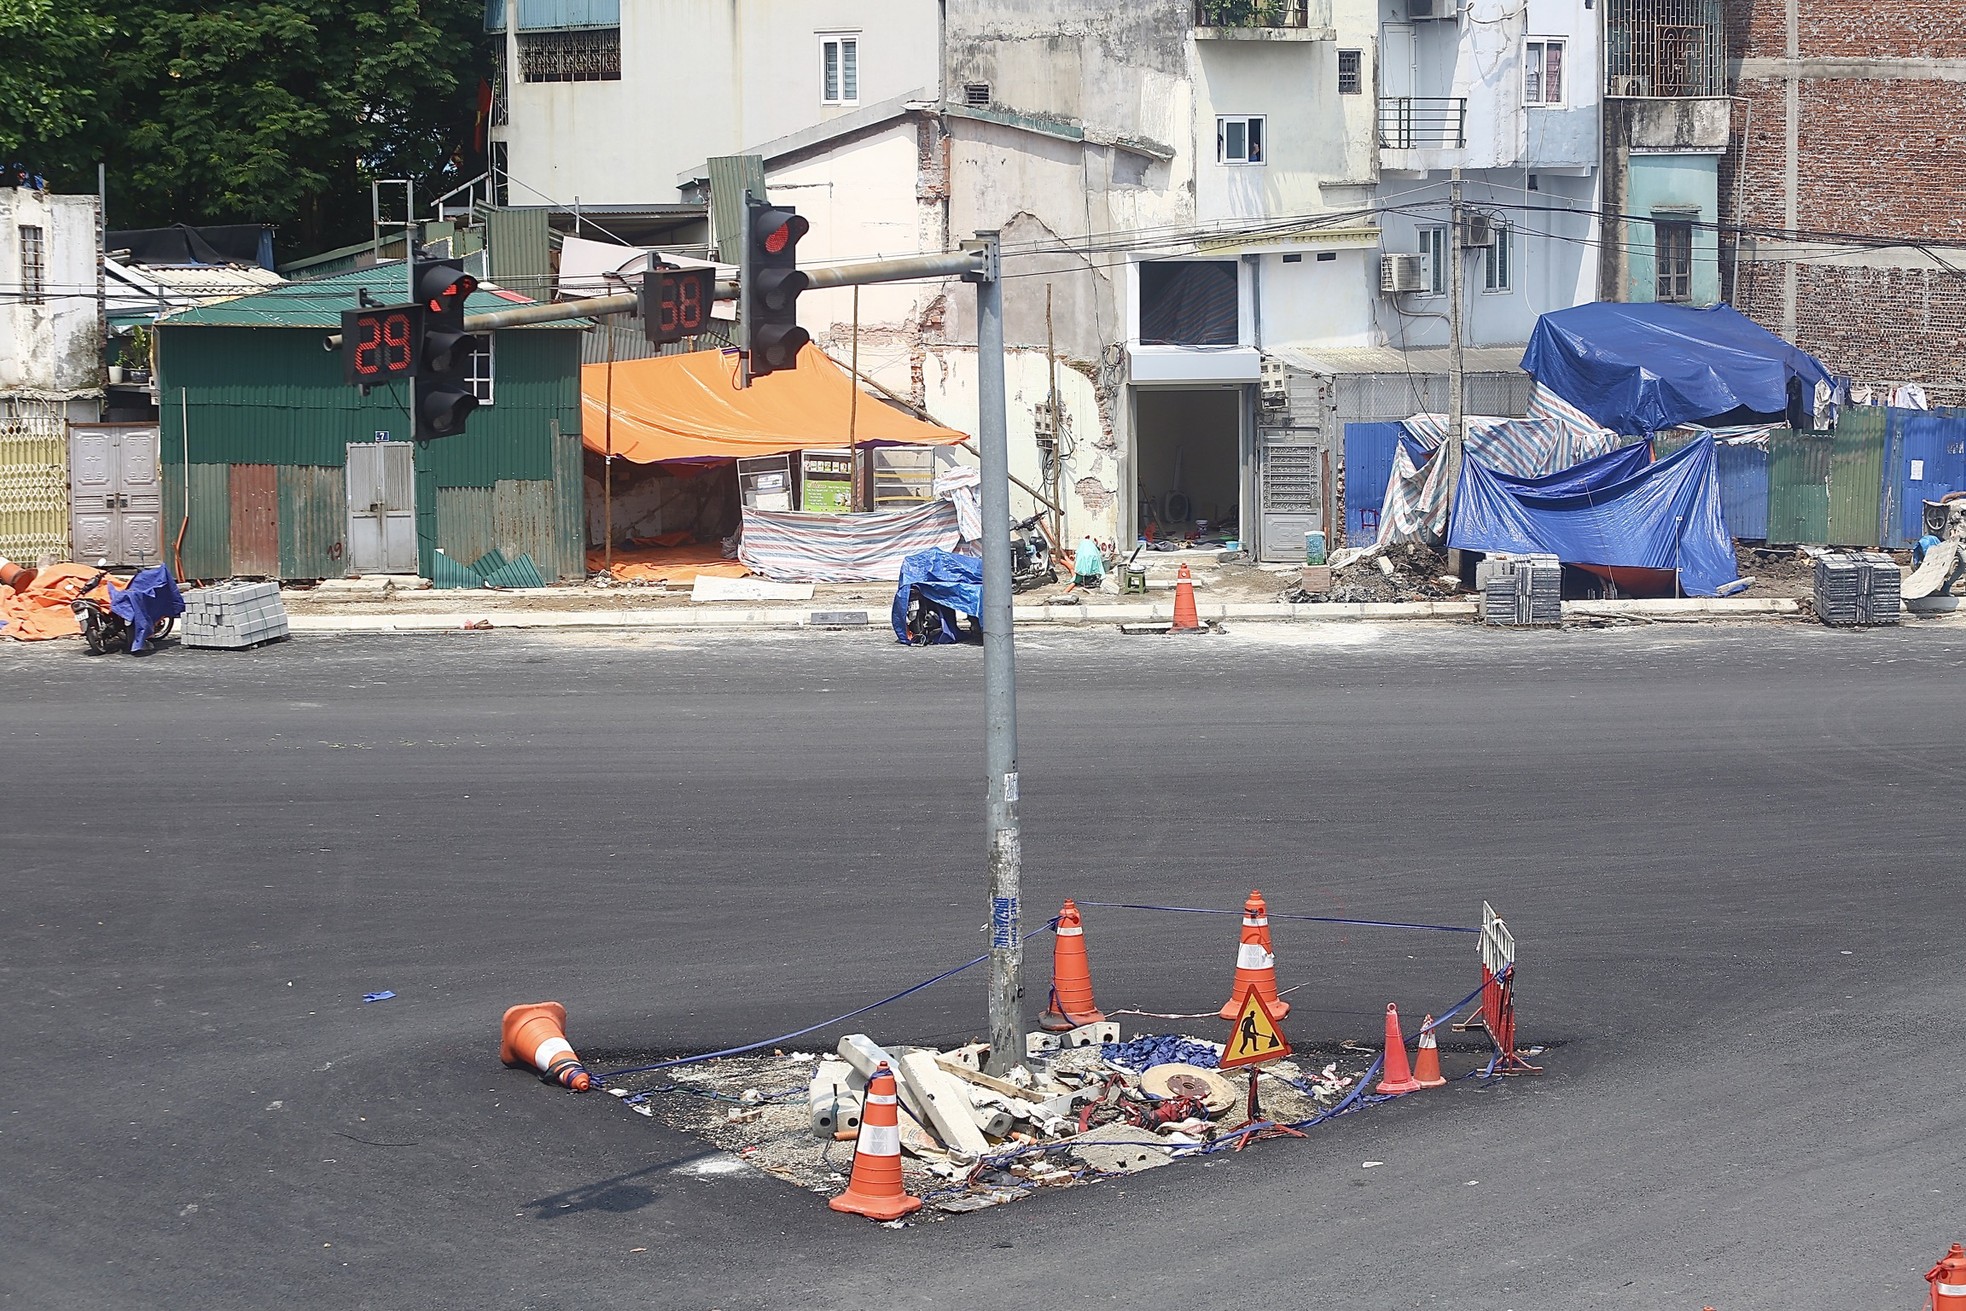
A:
[(1120, 1149), (945, 1102)]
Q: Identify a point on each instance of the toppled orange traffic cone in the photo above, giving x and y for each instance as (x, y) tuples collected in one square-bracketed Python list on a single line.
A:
[(875, 1188), (536, 1035), (1186, 619), (1398, 1077), (1426, 1057), (15, 576), (1071, 977), (1256, 963)]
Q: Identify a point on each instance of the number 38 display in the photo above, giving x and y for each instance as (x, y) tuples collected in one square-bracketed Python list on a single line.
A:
[(379, 344)]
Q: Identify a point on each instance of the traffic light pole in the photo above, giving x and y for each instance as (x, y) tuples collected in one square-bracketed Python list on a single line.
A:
[(1006, 849), (977, 263)]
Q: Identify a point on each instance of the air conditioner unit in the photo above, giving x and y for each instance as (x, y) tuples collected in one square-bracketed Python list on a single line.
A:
[(1477, 232), (1399, 273)]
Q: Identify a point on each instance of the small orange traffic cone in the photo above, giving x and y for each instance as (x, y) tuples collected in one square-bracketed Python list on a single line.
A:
[(1948, 1281), (1186, 620), (875, 1189), (15, 576), (1071, 1001), (1398, 1077), (1256, 963), (536, 1035), (1426, 1058)]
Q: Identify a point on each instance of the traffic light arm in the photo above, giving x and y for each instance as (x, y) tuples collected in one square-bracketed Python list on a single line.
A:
[(906, 268)]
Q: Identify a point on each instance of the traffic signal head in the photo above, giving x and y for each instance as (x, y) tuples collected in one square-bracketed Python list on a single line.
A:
[(442, 287), (771, 283), (441, 409)]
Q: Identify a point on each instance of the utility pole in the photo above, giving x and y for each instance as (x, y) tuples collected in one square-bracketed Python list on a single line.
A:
[(1450, 449), (1006, 854)]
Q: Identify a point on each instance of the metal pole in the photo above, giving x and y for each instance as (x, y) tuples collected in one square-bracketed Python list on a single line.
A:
[(853, 418), (1456, 417), (607, 465), (999, 673)]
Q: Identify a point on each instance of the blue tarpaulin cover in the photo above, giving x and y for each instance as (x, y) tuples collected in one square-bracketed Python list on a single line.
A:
[(151, 595), (1642, 368), (1661, 516), (952, 583)]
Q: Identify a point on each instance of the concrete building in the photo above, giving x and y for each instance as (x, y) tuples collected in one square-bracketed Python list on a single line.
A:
[(604, 101), (50, 361), (1843, 181), (1667, 122)]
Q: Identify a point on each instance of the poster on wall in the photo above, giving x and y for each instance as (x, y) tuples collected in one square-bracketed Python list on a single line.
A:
[(826, 481)]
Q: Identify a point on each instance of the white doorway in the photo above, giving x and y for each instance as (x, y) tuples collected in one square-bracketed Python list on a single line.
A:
[(115, 496)]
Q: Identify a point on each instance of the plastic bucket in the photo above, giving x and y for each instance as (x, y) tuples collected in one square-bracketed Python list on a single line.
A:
[(1314, 546)]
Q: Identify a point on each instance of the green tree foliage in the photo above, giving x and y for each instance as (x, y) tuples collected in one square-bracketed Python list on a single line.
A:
[(277, 111)]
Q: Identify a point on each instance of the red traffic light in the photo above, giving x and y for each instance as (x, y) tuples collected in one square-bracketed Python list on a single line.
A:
[(456, 293), (779, 230)]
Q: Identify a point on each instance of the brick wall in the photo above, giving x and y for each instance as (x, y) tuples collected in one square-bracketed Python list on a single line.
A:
[(1874, 156)]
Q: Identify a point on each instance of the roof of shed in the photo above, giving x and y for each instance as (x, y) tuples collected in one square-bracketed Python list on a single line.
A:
[(319, 303)]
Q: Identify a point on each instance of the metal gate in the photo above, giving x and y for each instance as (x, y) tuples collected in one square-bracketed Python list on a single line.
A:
[(1292, 491), (115, 496), (381, 508)]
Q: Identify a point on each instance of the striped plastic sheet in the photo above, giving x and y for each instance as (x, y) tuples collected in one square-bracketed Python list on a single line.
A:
[(842, 548)]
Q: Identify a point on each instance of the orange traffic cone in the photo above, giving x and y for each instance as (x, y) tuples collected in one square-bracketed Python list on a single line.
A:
[(1426, 1059), (15, 576), (875, 1188), (536, 1035), (1256, 963), (1186, 620), (1948, 1281), (1071, 1001), (1398, 1077)]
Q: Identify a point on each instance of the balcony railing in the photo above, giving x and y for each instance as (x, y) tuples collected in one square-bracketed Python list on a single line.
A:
[(1253, 13), (1423, 122)]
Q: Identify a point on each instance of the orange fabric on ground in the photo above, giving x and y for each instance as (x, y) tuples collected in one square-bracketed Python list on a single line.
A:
[(673, 564), (688, 407), (42, 611)]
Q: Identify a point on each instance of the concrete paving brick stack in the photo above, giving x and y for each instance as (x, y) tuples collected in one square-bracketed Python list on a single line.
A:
[(1857, 588), (232, 616), (1529, 591)]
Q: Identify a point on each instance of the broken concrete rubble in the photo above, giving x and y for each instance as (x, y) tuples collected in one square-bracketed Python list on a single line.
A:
[(1068, 1116)]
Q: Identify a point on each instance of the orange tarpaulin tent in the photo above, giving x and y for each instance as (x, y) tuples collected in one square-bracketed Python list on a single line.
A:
[(689, 407)]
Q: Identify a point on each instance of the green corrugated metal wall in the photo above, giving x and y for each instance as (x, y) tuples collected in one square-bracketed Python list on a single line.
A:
[(1857, 476), (519, 245), (568, 479), (274, 396), (1798, 486), (207, 548), (313, 521)]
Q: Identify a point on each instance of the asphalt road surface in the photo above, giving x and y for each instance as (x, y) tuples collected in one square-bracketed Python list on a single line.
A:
[(1730, 857)]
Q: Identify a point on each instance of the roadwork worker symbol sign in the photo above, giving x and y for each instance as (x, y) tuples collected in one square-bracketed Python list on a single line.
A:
[(1256, 1037)]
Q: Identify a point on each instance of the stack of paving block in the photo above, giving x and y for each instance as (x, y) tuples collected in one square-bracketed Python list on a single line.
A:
[(232, 616), (1857, 587), (1530, 591)]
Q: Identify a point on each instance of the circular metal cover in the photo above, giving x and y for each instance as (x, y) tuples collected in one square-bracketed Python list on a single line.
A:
[(1180, 1080)]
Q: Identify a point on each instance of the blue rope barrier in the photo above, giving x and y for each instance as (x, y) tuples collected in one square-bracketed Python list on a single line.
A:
[(811, 1028), (1275, 915)]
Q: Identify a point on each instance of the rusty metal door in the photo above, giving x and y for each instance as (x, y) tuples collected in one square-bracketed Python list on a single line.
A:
[(381, 508), (116, 499), (255, 505)]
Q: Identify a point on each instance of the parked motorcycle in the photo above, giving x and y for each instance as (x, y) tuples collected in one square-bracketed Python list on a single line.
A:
[(134, 617), (1030, 557)]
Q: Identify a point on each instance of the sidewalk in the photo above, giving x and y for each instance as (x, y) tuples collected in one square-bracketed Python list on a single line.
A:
[(372, 610)]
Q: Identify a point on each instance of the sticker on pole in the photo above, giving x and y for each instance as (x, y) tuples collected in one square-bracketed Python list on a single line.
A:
[(1003, 923), (1256, 1037)]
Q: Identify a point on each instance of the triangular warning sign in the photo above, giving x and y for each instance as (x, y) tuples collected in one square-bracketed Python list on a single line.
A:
[(1255, 1037)]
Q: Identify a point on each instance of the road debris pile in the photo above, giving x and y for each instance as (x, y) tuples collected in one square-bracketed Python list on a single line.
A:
[(1407, 571), (1078, 1112)]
